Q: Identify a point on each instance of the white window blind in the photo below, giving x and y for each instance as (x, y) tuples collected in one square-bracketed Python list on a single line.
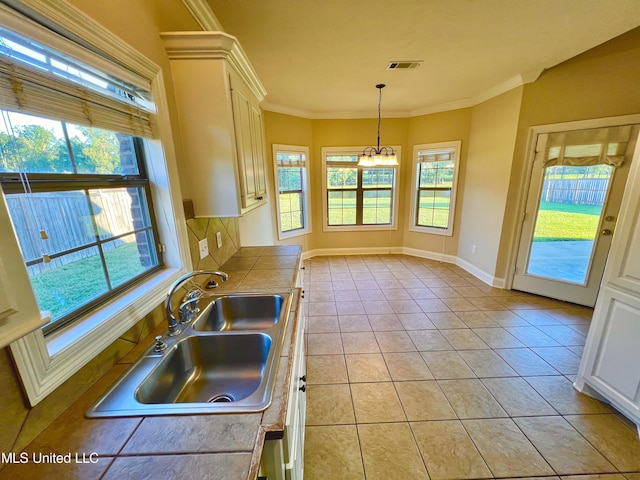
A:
[(38, 80)]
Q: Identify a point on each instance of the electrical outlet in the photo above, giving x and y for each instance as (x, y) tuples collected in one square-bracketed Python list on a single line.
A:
[(219, 239), (474, 249), (204, 248)]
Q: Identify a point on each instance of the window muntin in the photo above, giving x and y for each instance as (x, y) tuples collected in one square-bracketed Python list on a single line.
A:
[(360, 197), (79, 200), (435, 177), (292, 203)]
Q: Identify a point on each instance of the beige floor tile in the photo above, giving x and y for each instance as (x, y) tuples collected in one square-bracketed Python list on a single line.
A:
[(445, 320), (367, 367), (463, 339), (562, 446), (532, 337), (377, 307), (432, 305), (424, 401), (470, 399), (394, 342), (323, 369), (321, 309), (505, 449), (346, 296), (477, 319), (329, 405), (615, 440), (385, 322), (332, 452), (487, 363), (538, 317), (60, 471), (444, 365), (324, 344), (632, 476), (459, 304), (507, 318), (517, 397), (498, 338), (561, 395), (376, 402), (359, 342), (350, 308), (416, 321), (354, 323), (526, 362), (326, 324), (564, 335), (407, 366), (560, 358), (448, 451), (395, 457), (604, 476), (429, 340)]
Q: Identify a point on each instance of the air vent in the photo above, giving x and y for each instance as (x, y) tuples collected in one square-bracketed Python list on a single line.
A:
[(403, 65)]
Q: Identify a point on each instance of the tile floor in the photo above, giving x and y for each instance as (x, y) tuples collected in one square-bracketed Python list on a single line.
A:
[(418, 370)]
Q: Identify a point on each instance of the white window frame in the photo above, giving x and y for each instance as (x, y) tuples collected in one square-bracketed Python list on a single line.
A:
[(45, 363), (357, 228), (306, 208), (413, 226)]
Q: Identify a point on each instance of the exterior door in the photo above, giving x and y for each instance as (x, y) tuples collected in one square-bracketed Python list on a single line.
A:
[(577, 181)]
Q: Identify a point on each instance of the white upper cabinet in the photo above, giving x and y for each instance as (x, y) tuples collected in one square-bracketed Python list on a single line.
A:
[(218, 98)]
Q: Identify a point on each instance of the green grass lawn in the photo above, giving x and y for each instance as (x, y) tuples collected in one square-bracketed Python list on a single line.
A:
[(70, 286), (565, 221)]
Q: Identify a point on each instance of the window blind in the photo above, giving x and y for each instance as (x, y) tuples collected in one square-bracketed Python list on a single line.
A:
[(291, 159), (27, 86)]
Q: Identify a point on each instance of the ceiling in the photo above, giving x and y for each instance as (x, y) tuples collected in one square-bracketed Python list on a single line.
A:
[(323, 58)]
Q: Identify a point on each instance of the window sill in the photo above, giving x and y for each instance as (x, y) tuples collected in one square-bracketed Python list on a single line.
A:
[(293, 233), (432, 231), (358, 228), (45, 363)]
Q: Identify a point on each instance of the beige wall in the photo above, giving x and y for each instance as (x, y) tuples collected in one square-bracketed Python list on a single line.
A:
[(603, 82), (437, 127), (486, 184), (139, 24)]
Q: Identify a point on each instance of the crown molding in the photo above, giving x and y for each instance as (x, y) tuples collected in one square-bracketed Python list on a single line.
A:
[(202, 13), (213, 45), (503, 87)]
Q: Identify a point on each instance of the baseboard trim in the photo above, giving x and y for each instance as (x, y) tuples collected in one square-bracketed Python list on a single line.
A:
[(413, 252)]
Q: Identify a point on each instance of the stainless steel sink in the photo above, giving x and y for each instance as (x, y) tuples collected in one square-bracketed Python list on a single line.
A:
[(204, 370), (240, 312), (221, 368)]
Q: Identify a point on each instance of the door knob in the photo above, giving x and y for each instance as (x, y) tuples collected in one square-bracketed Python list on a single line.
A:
[(606, 231)]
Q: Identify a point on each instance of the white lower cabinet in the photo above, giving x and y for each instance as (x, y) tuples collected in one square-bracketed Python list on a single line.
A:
[(284, 459)]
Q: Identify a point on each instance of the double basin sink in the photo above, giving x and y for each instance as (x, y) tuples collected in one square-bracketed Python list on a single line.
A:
[(225, 361)]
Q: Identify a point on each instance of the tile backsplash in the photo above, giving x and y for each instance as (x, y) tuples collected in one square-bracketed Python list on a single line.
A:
[(21, 423)]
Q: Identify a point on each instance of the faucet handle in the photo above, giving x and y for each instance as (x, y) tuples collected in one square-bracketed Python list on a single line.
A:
[(160, 346)]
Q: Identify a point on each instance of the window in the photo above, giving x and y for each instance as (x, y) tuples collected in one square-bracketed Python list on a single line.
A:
[(357, 197), (79, 202), (292, 201), (129, 100), (435, 176)]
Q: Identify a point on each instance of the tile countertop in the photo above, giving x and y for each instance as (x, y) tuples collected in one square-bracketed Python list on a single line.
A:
[(222, 446)]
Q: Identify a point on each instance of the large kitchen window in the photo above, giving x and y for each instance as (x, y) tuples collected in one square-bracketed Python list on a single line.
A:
[(292, 199), (357, 197), (435, 176), (73, 174)]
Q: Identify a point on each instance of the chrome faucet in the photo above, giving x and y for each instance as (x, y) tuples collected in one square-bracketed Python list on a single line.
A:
[(189, 305)]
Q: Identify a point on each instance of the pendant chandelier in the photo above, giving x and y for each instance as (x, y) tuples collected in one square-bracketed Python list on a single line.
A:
[(378, 156)]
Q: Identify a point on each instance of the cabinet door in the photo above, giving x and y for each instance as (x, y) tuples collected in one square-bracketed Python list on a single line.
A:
[(258, 151), (242, 120)]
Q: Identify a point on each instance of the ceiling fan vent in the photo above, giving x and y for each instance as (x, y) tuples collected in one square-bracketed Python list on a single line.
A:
[(403, 65)]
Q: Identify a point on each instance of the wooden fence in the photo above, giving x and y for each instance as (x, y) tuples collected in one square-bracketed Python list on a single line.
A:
[(578, 191), (66, 218)]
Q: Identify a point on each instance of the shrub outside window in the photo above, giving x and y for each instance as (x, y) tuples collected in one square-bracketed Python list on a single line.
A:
[(357, 197), (292, 200), (435, 176)]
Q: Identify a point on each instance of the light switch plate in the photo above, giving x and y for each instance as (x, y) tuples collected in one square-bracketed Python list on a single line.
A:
[(219, 239), (203, 246)]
